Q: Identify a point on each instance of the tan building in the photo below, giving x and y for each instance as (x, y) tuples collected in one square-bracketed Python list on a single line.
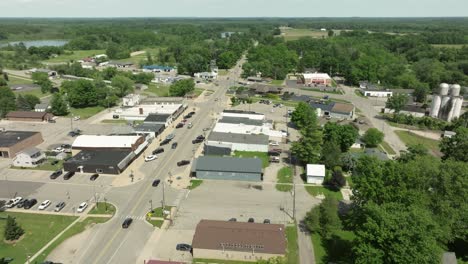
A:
[(29, 116), (238, 240), (13, 142)]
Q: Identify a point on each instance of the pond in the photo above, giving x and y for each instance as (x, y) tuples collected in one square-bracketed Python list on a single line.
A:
[(38, 43)]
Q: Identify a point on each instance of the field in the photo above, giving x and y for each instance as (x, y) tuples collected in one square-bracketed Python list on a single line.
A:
[(158, 89), (294, 34), (194, 184), (410, 139), (86, 112), (284, 176), (316, 190), (386, 147), (292, 256), (39, 230), (252, 154), (74, 55), (12, 80), (141, 57)]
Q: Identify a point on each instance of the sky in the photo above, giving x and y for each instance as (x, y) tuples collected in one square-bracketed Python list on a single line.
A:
[(233, 8)]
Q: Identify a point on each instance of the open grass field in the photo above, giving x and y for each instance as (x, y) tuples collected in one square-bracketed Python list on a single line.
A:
[(277, 82), (74, 55), (156, 222), (86, 112), (252, 154), (284, 176), (157, 89), (316, 190), (13, 80), (39, 230), (142, 56), (410, 139), (297, 33), (36, 92), (386, 147), (194, 184)]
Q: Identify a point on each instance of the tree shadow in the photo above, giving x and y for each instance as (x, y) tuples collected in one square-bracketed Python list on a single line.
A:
[(338, 250)]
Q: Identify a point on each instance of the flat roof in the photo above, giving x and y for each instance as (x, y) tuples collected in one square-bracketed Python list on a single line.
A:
[(316, 75), (324, 107), (95, 141), (240, 236), (239, 138), (342, 108), (26, 114), (157, 118), (240, 120), (242, 112), (228, 164), (316, 169), (10, 138), (30, 151), (99, 157), (149, 127)]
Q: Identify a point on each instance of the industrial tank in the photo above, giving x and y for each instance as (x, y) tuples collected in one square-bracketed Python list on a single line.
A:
[(435, 105), (457, 106), (444, 89), (455, 90), (443, 103)]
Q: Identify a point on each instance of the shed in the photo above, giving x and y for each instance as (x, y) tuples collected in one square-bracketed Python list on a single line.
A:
[(315, 173), (228, 168)]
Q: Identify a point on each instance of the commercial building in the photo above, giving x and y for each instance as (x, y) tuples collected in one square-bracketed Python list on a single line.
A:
[(265, 89), (228, 168), (315, 173), (240, 241), (334, 110), (161, 119), (242, 125), (140, 112), (150, 129), (133, 143), (13, 142), (131, 100), (377, 93), (100, 161), (243, 114), (157, 68), (29, 116), (31, 157), (239, 142), (312, 79)]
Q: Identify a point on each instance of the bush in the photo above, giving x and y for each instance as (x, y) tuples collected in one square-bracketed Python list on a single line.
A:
[(373, 137), (12, 230)]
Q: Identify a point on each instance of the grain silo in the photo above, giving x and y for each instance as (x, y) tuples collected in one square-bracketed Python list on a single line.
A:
[(447, 103)]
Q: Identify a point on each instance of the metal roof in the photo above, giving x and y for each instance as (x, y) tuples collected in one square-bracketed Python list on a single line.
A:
[(316, 170), (157, 118), (239, 138), (149, 127), (100, 157), (94, 141), (10, 138), (240, 120), (342, 108), (228, 164)]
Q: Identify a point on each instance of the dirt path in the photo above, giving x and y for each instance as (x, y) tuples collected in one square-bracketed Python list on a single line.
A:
[(136, 53)]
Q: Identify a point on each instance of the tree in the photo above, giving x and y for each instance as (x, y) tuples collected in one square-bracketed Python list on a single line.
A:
[(456, 147), (413, 151), (42, 79), (182, 87), (58, 106), (373, 137), (149, 58), (397, 102), (312, 220), (344, 135), (143, 77), (109, 72), (3, 82), (329, 220), (5, 76), (122, 85), (337, 180), (27, 102), (331, 154), (331, 33), (81, 93), (7, 101), (12, 230), (303, 115), (420, 94)]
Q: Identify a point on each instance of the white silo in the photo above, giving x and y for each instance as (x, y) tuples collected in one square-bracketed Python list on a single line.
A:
[(444, 104), (435, 105), (450, 109), (457, 106), (444, 89), (455, 90)]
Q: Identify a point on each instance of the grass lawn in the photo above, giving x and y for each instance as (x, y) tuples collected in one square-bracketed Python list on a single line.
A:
[(35, 92), (222, 72), (320, 91), (47, 166), (158, 212), (277, 82), (86, 112), (194, 184), (12, 80), (198, 91), (284, 176), (349, 180), (156, 222), (39, 230), (103, 208), (410, 138), (358, 93), (75, 55), (142, 57), (158, 89), (316, 190), (340, 252), (74, 230), (252, 154), (292, 255), (386, 147)]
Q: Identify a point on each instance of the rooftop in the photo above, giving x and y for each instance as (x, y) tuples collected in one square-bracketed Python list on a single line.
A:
[(240, 120), (228, 164), (100, 157), (10, 138), (316, 169), (240, 236), (241, 112), (239, 138), (148, 127), (95, 141), (26, 114), (30, 151), (342, 108), (157, 118), (316, 75)]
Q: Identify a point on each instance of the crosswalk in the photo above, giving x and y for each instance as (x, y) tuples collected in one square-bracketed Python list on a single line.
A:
[(134, 217)]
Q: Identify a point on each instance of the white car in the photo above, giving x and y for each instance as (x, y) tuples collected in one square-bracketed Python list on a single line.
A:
[(82, 207), (44, 205), (59, 149), (76, 118), (274, 143), (151, 157), (12, 202)]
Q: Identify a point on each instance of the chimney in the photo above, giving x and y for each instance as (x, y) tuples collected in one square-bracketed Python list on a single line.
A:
[(141, 111)]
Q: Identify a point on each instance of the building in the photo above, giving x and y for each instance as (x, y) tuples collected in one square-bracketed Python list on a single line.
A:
[(334, 110), (228, 168), (43, 107), (157, 68), (244, 114), (115, 142), (50, 73), (414, 110), (255, 79), (449, 134), (141, 86), (312, 79), (240, 125), (140, 112), (217, 149), (150, 129), (447, 103), (377, 93), (265, 89), (206, 75), (239, 142), (31, 157), (100, 161), (131, 100), (315, 173), (240, 241), (29, 116), (13, 142), (120, 64), (162, 119)]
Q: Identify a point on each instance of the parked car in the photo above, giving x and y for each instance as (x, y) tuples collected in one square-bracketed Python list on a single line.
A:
[(44, 205), (76, 118), (273, 153), (191, 113), (54, 162), (170, 136), (55, 174), (233, 220), (274, 159), (276, 150), (94, 177), (251, 220), (174, 145), (190, 125), (66, 146), (150, 158), (68, 175), (82, 207), (21, 203), (157, 151), (12, 202), (30, 203), (180, 125), (59, 206), (58, 149), (187, 116), (183, 247), (127, 222), (201, 137), (183, 162), (274, 143), (196, 141), (156, 183), (266, 221), (206, 129), (165, 142)]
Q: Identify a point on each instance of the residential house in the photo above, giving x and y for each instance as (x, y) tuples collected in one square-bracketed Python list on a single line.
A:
[(13, 142), (31, 157)]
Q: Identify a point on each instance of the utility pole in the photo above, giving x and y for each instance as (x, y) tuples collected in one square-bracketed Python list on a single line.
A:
[(71, 122), (163, 198)]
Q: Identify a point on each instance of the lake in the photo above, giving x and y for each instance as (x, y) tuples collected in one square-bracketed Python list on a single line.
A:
[(38, 43)]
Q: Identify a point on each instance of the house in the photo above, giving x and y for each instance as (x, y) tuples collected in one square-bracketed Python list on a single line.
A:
[(29, 116), (311, 79), (334, 110), (133, 143), (206, 75), (163, 119), (227, 34), (240, 241), (157, 68), (244, 114), (43, 107), (13, 142), (217, 149), (358, 144), (255, 79), (150, 129), (378, 93), (120, 64), (131, 100), (315, 173), (239, 142), (108, 161), (228, 168), (56, 155), (31, 157)]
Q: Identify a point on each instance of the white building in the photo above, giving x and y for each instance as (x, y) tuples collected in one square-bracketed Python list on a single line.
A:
[(31, 157), (378, 93), (131, 100), (140, 112), (243, 114), (239, 142), (315, 79), (315, 173), (41, 107), (114, 142), (247, 126)]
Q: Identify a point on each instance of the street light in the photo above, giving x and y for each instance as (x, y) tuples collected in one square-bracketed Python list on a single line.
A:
[(151, 205)]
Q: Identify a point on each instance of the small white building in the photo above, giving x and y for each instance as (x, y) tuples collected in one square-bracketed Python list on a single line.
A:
[(378, 93), (131, 100), (43, 107), (315, 78), (243, 114), (315, 173), (31, 158)]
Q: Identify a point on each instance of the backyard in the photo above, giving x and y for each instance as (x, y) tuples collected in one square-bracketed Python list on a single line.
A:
[(410, 138), (86, 112), (294, 34), (336, 250), (317, 190), (158, 89)]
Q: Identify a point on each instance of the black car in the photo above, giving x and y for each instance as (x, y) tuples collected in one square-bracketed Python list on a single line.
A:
[(187, 116), (157, 151), (127, 222), (251, 220), (66, 146), (55, 174), (156, 183), (21, 203), (54, 162), (196, 141), (180, 125), (183, 162), (202, 137), (94, 177), (233, 220), (68, 175), (273, 153), (30, 203), (174, 145), (165, 142), (191, 113), (184, 247), (266, 221)]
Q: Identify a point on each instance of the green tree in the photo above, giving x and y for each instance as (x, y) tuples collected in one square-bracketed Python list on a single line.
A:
[(309, 147), (109, 72), (331, 33), (397, 102), (337, 180), (329, 220), (12, 230), (81, 93), (27, 102), (312, 220), (58, 106), (303, 115), (149, 58), (5, 76), (331, 154), (456, 147), (42, 79), (420, 94), (343, 135), (3, 82), (413, 151), (7, 101), (143, 77), (182, 87), (122, 85), (373, 137)]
